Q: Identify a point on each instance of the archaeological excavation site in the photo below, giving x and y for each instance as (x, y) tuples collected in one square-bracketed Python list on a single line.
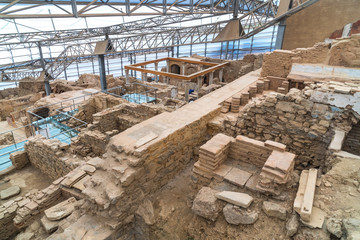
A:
[(180, 120)]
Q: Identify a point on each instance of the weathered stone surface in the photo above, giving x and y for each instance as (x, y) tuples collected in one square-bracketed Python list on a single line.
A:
[(10, 192), (237, 176), (49, 226), (292, 225), (61, 210), (146, 211), (205, 204), (317, 218), (240, 199), (25, 236), (274, 210), (235, 215), (333, 226), (351, 228)]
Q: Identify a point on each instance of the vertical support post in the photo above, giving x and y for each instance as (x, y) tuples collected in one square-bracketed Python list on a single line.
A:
[(199, 82), (166, 79), (121, 64), (183, 69), (127, 76), (211, 78), (221, 72), (42, 62), (102, 72), (186, 91), (142, 75), (156, 68), (280, 34)]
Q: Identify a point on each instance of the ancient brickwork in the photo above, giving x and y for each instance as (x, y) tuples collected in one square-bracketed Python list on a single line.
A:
[(19, 159), (294, 120), (49, 155), (345, 52), (278, 63), (109, 122), (22, 211)]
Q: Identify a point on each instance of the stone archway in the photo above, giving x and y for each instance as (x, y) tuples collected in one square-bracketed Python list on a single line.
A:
[(175, 69)]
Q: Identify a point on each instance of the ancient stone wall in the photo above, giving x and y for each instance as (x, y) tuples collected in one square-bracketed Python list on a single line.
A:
[(294, 120), (49, 156), (22, 211), (137, 173), (19, 159), (95, 104), (16, 104), (345, 52), (109, 122), (278, 63)]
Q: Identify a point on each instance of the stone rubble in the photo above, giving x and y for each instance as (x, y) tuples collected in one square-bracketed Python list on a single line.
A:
[(9, 192), (206, 204), (274, 210), (235, 215), (239, 199)]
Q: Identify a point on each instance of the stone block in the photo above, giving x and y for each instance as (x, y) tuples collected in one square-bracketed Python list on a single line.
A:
[(337, 141), (19, 159), (49, 226), (205, 204), (274, 210), (237, 176), (88, 169), (61, 210), (306, 208), (222, 170), (316, 219), (239, 199), (351, 228), (235, 215), (9, 192), (275, 145)]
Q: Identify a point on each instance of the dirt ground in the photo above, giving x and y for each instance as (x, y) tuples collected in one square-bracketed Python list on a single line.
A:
[(28, 179), (175, 219)]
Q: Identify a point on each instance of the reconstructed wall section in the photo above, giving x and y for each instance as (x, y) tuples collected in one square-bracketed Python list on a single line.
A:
[(49, 156), (279, 62), (303, 125)]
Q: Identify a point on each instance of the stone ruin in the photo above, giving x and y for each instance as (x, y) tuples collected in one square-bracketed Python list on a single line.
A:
[(261, 157)]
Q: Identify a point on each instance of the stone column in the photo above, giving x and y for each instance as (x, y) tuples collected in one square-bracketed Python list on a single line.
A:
[(142, 75)]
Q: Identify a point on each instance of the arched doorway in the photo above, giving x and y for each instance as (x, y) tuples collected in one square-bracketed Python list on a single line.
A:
[(175, 69)]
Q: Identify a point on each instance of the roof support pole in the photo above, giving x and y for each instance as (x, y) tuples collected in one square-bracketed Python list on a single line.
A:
[(42, 62), (102, 71), (280, 34)]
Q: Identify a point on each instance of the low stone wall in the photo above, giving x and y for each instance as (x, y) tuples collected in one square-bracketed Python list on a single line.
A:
[(19, 159), (22, 211), (48, 155), (294, 120), (109, 122)]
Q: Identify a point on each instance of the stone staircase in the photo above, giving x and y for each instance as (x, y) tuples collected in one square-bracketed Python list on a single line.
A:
[(352, 140)]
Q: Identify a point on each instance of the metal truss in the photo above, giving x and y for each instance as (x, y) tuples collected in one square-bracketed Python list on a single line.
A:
[(261, 16), (101, 8), (135, 27)]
